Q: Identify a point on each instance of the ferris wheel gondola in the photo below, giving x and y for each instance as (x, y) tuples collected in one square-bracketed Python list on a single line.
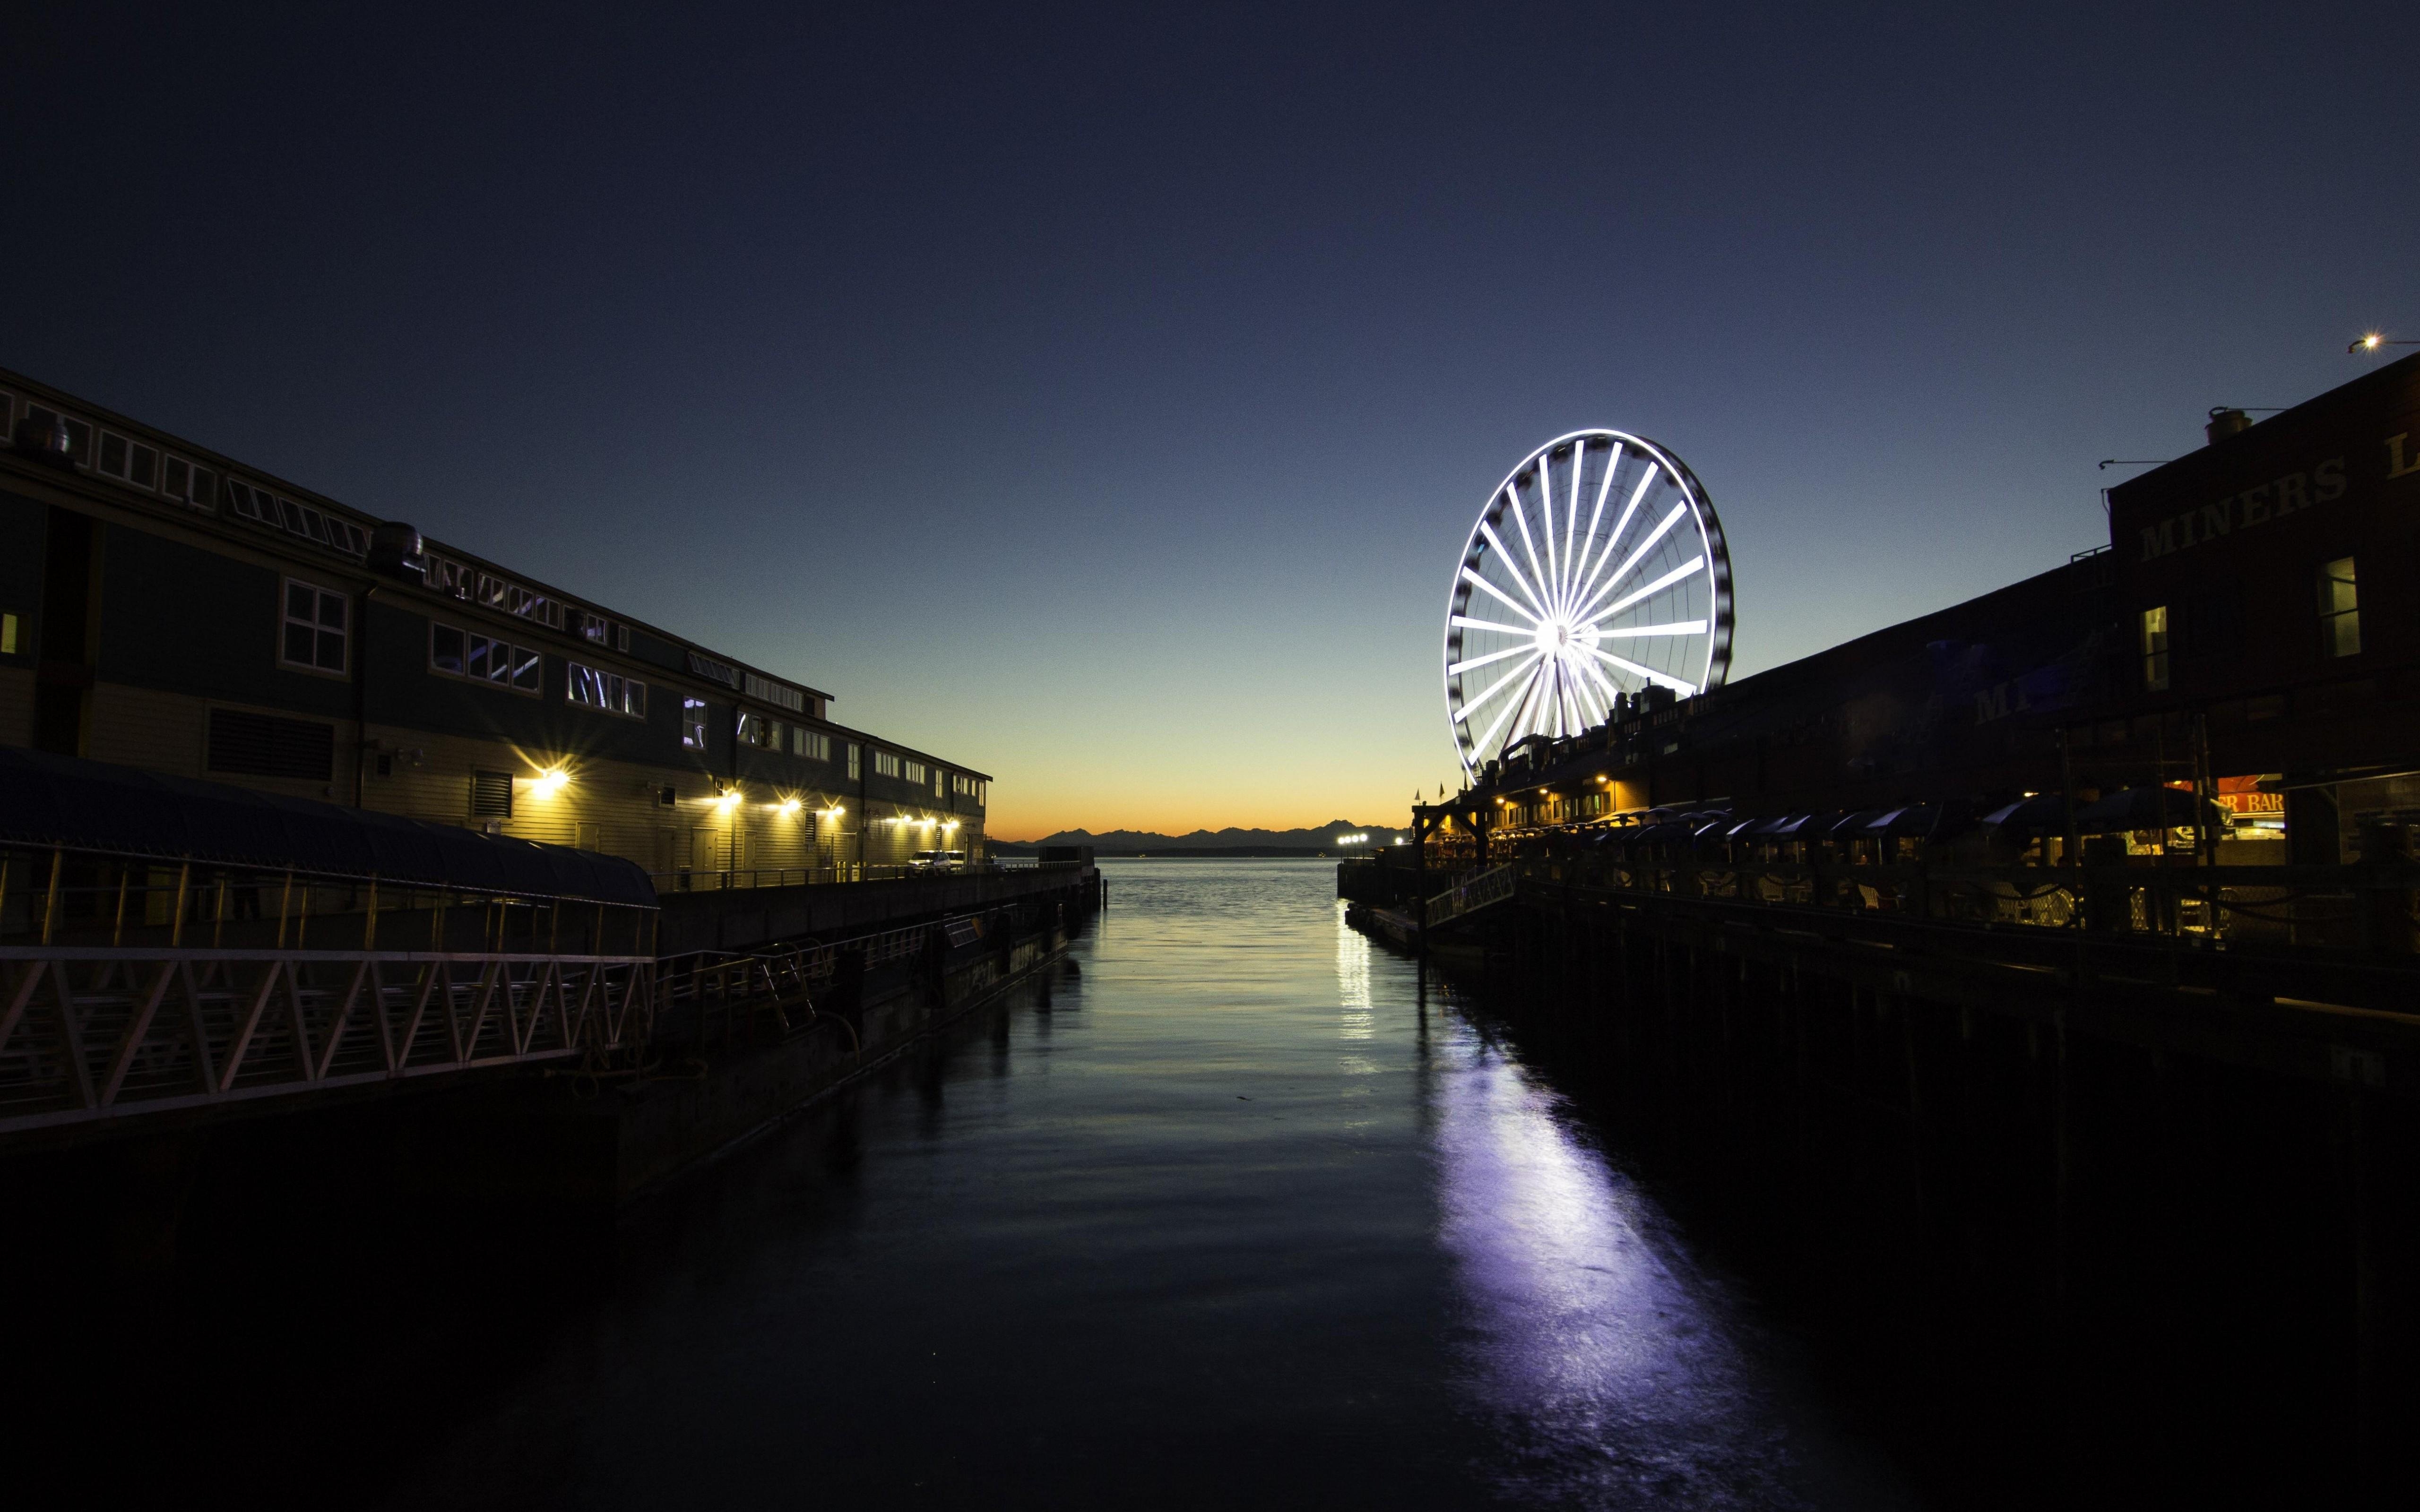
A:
[(1551, 622)]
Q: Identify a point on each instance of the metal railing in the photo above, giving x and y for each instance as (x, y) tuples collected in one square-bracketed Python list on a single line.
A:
[(703, 880), (1490, 887), (93, 1033), (778, 990), (2356, 907)]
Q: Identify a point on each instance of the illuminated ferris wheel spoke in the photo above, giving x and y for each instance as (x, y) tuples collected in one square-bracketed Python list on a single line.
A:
[(1546, 530), (1476, 662), (1521, 518), (1548, 670), (1607, 691), (1619, 527), (1604, 488), (1685, 688), (1511, 678), (1511, 711), (1637, 554), (1683, 570), (1478, 582), (1532, 719), (1470, 624), (1644, 632), (1488, 532), (1572, 511)]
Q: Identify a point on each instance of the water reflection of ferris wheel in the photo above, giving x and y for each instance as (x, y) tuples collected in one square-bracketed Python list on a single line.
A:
[(1551, 620)]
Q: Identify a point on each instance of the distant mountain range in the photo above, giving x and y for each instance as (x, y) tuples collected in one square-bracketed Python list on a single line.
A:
[(1209, 842)]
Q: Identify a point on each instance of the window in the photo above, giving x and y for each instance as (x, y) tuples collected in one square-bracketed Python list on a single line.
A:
[(2339, 609), (773, 692), (2155, 649), (133, 461), (757, 731), (315, 624), (968, 787), (457, 653), (937, 782), (609, 691), (79, 434), (7, 635), (263, 744), (916, 773), (491, 794), (693, 724), (886, 764), (852, 748), (186, 484), (263, 507), (813, 744)]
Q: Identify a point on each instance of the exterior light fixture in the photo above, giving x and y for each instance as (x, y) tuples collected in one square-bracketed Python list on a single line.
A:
[(550, 782), (791, 807), (2374, 340), (730, 798)]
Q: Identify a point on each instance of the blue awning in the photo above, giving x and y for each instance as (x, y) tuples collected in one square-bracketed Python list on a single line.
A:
[(49, 800)]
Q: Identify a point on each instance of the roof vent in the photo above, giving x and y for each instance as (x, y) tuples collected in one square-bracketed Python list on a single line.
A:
[(394, 550), (40, 441), (2225, 422)]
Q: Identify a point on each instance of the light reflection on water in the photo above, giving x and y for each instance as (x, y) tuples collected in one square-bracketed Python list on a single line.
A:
[(1602, 1362), (1236, 1216)]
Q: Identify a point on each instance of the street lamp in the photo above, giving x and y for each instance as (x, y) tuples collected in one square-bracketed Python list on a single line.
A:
[(2374, 340)]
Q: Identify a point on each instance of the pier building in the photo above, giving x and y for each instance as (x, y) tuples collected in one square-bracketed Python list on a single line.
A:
[(2069, 937), (167, 607), (2248, 637)]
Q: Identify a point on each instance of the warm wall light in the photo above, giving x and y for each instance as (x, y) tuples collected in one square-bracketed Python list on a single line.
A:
[(548, 782), (791, 806), (730, 798)]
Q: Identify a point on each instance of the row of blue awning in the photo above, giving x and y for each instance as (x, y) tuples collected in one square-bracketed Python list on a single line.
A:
[(62, 801), (2133, 809)]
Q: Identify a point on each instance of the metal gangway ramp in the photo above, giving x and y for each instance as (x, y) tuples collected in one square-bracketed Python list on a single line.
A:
[(1482, 889), (172, 946)]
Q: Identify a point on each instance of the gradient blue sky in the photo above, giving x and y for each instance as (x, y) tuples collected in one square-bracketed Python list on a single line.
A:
[(1101, 398)]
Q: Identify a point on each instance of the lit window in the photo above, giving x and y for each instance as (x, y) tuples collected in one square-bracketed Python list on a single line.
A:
[(693, 724), (609, 691), (315, 626), (916, 773), (2339, 609), (886, 764), (457, 653), (2155, 649), (757, 731), (853, 750), (7, 635)]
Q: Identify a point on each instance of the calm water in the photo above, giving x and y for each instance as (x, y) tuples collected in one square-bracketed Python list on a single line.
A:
[(1235, 1213)]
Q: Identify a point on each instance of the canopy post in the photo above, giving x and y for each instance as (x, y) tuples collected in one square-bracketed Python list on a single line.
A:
[(50, 902)]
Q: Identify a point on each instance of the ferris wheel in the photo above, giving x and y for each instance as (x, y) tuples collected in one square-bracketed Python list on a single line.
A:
[(1597, 569)]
